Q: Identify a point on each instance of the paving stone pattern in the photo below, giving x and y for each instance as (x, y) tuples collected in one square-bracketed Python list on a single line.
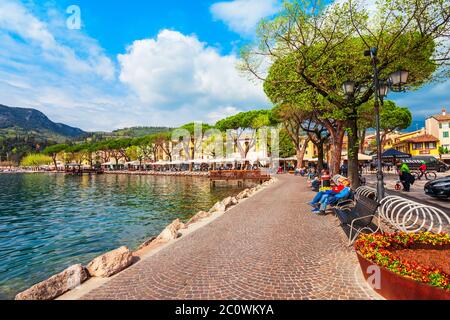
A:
[(268, 247)]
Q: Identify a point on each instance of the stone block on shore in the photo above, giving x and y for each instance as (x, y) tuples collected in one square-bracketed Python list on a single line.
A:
[(243, 194), (147, 243), (57, 285), (110, 263), (198, 217), (228, 202), (218, 207), (171, 232)]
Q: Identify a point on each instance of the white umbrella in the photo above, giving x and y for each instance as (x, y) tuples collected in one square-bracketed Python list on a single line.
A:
[(361, 157)]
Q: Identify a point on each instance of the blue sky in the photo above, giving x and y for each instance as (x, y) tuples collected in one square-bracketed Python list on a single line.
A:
[(140, 62)]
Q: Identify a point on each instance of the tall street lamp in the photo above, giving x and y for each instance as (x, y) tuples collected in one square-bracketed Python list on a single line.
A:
[(381, 88), (396, 83)]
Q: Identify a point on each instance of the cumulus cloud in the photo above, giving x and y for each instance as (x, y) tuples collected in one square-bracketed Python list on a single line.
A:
[(242, 16), (168, 80), (17, 20), (175, 70)]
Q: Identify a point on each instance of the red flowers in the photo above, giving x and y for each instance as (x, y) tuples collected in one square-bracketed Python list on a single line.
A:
[(377, 248)]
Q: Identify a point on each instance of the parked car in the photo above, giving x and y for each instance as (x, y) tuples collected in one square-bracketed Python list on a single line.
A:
[(439, 188), (432, 163)]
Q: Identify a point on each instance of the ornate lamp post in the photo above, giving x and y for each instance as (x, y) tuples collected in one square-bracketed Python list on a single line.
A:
[(396, 83)]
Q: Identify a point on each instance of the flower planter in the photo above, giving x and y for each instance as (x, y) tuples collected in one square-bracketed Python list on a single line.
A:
[(397, 287), (408, 266)]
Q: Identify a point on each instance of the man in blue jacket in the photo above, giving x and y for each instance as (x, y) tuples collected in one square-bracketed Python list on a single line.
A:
[(327, 198)]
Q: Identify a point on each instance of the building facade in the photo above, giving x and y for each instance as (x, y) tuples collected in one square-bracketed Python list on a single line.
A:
[(439, 126)]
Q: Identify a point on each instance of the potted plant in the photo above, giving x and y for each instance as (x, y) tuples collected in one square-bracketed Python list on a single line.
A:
[(409, 266)]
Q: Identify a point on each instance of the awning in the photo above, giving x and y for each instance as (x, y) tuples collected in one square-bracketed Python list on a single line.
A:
[(132, 163), (361, 157), (286, 159), (392, 153)]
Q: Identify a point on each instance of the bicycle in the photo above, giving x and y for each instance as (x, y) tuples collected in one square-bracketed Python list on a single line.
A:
[(429, 175)]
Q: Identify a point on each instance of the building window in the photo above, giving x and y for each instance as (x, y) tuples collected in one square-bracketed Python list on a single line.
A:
[(446, 135), (417, 146), (440, 125), (430, 145)]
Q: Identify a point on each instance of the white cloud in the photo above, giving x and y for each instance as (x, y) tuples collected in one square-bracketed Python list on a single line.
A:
[(242, 16), (16, 19), (166, 81), (175, 71)]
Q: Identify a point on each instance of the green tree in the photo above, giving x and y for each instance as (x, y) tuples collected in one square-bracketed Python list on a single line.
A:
[(118, 148), (242, 128), (316, 47), (54, 151), (194, 144), (164, 141), (36, 160), (287, 148), (393, 118), (443, 150), (292, 117)]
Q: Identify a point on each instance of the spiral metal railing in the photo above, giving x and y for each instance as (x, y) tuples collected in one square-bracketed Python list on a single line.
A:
[(411, 217)]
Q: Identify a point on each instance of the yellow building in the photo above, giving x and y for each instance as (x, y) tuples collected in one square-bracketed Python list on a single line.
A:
[(419, 145), (311, 151)]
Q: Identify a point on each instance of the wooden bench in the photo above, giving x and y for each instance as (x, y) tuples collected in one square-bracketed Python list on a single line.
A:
[(350, 202)]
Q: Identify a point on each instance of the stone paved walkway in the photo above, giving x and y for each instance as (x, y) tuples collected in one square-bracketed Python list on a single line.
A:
[(269, 247)]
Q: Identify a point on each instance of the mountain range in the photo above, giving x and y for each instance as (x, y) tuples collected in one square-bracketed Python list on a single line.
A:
[(24, 121), (24, 131)]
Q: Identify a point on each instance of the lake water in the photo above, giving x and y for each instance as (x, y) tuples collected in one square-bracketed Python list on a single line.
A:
[(49, 222)]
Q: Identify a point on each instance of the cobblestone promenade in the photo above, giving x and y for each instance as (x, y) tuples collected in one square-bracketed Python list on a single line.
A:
[(268, 247)]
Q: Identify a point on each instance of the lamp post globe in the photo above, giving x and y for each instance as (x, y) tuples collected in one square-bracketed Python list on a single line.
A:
[(349, 88), (383, 90), (399, 78)]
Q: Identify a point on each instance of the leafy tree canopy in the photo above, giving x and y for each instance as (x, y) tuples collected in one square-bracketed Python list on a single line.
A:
[(36, 160), (247, 120)]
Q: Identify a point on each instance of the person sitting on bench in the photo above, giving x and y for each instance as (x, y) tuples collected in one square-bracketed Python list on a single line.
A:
[(325, 198)]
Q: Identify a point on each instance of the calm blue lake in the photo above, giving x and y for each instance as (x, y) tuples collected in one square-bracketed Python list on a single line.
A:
[(49, 222)]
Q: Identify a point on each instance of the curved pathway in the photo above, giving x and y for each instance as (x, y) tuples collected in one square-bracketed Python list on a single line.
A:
[(268, 247)]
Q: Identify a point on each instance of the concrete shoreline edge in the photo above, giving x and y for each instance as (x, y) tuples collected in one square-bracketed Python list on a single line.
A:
[(78, 280)]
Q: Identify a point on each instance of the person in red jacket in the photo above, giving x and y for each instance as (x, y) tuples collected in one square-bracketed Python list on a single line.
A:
[(422, 169)]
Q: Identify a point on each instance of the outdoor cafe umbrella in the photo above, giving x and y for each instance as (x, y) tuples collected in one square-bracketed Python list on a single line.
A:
[(395, 154)]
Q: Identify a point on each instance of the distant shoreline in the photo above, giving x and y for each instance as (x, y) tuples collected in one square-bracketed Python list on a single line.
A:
[(136, 173)]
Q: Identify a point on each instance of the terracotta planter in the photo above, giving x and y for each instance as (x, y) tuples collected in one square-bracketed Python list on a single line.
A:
[(396, 287)]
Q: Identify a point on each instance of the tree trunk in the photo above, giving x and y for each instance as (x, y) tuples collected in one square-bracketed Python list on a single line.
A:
[(336, 140), (55, 163), (301, 150), (362, 141), (352, 153), (191, 164), (320, 154)]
